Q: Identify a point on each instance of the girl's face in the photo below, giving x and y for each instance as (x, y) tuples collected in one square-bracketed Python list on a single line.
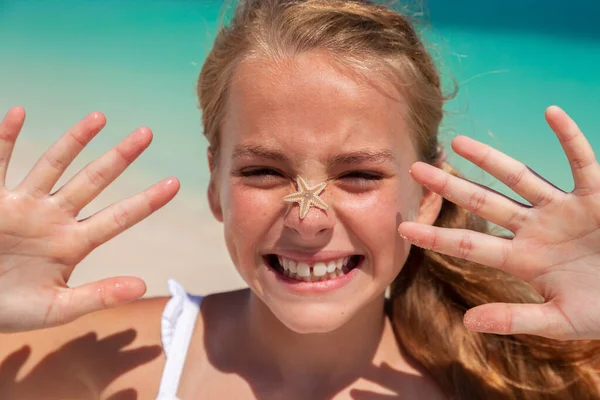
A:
[(306, 117)]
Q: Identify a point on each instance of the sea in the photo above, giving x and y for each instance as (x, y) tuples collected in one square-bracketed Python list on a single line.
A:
[(138, 61)]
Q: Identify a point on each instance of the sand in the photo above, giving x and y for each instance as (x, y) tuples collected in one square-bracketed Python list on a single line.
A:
[(181, 241)]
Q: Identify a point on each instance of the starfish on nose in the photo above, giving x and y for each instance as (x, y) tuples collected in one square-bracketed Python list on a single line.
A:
[(307, 196)]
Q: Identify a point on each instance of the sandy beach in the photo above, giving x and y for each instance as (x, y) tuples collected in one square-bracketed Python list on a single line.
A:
[(181, 241)]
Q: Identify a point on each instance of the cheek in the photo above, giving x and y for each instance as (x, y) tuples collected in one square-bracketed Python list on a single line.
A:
[(375, 218), (248, 213), (379, 211)]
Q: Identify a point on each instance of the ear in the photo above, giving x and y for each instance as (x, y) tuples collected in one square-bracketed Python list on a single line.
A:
[(429, 208), (214, 200)]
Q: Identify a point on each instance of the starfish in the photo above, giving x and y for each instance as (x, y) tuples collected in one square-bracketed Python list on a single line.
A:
[(307, 196)]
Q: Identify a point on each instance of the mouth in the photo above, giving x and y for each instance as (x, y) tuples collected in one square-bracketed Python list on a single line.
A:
[(313, 271)]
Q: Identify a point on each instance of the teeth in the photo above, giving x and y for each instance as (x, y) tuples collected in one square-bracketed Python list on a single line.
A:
[(303, 270), (319, 271), (331, 266), (292, 266)]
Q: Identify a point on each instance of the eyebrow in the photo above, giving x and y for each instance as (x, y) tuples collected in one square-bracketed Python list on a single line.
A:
[(363, 156), (354, 157), (258, 151)]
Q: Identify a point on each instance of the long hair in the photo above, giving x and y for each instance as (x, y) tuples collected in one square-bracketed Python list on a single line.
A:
[(432, 292)]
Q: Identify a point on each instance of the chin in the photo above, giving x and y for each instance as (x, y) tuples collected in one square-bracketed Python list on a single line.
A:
[(303, 318)]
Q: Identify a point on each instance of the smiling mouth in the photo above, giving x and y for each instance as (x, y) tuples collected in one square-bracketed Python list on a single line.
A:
[(313, 272)]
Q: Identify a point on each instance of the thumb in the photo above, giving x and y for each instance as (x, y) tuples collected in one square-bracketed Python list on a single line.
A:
[(107, 293), (510, 319)]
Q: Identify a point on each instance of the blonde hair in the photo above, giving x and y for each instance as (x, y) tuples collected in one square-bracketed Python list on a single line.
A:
[(432, 292)]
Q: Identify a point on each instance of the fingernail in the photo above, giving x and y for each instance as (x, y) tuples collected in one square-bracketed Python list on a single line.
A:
[(169, 182)]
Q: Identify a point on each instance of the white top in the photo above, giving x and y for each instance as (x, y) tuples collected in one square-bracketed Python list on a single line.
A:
[(177, 326)]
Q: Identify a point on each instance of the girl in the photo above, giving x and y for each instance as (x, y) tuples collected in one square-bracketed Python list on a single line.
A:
[(322, 118)]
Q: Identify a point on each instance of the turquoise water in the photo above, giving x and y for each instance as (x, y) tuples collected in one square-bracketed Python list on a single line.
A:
[(137, 61)]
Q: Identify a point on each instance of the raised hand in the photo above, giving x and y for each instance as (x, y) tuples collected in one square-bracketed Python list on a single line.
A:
[(41, 239), (556, 244)]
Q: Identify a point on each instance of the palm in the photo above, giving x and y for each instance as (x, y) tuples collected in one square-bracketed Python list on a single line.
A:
[(41, 240), (35, 234), (555, 243), (31, 226), (555, 252)]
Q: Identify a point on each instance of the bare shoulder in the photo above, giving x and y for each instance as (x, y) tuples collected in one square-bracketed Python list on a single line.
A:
[(216, 323), (101, 354)]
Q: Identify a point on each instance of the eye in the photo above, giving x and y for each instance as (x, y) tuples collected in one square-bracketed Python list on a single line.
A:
[(360, 180), (262, 177), (362, 176), (260, 172)]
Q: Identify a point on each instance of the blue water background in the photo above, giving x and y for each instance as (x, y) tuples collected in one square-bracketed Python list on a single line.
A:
[(138, 61)]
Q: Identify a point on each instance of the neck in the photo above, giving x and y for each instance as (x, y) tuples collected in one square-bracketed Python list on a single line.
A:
[(301, 359)]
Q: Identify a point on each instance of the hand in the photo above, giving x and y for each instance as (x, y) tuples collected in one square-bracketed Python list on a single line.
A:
[(556, 243), (41, 240)]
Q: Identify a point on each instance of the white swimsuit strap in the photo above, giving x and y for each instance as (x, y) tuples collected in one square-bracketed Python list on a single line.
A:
[(177, 326)]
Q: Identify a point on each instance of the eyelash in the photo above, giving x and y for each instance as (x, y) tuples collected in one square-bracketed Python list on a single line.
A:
[(359, 176), (362, 176), (260, 172)]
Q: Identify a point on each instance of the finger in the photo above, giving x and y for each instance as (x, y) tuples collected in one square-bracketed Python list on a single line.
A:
[(94, 178), (10, 127), (510, 319), (517, 176), (479, 200), (74, 303), (579, 152), (53, 163), (113, 220), (473, 246)]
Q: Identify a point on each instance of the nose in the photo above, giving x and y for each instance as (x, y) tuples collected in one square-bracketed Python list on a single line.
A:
[(315, 224)]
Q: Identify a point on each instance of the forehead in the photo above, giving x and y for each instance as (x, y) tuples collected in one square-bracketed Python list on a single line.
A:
[(311, 102)]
